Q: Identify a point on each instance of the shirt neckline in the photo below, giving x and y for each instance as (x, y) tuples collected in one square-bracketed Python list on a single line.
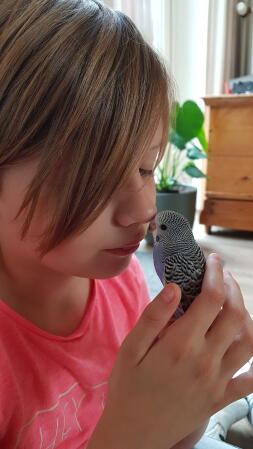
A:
[(77, 333)]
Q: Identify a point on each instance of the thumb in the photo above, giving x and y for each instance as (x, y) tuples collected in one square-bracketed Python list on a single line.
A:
[(152, 321)]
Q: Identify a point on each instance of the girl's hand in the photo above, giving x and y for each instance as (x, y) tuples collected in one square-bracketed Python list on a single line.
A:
[(168, 380)]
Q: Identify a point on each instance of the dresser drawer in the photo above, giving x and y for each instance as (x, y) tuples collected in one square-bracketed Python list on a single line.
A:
[(230, 177), (231, 131), (228, 214)]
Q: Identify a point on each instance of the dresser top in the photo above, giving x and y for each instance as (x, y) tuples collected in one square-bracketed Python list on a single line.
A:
[(229, 100)]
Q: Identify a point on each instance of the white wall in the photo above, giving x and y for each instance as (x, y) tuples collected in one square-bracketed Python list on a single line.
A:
[(185, 44)]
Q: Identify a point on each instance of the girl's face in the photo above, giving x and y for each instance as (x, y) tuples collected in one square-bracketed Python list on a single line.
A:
[(94, 253)]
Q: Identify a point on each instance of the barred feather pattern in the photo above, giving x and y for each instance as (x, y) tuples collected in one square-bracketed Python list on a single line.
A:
[(188, 273), (183, 261)]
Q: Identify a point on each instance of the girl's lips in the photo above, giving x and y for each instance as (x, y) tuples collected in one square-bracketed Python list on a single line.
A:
[(123, 251)]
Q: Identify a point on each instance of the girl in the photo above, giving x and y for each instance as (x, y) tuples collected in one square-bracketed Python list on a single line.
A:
[(83, 114)]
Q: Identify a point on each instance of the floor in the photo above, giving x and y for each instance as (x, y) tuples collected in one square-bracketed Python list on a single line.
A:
[(236, 251)]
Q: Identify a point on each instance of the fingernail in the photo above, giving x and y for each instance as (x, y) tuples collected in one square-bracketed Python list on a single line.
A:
[(169, 293), (216, 257)]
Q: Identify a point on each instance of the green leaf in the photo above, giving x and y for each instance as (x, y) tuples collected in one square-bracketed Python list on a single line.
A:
[(189, 120), (193, 171), (177, 140), (202, 139), (171, 182), (195, 153), (174, 113), (164, 180)]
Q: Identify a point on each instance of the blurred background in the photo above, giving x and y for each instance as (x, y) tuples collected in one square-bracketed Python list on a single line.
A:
[(204, 42)]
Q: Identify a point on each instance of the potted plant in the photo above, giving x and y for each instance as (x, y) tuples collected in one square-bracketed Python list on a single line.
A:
[(186, 144)]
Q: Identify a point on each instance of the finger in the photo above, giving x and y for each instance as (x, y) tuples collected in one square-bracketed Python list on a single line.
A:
[(207, 305), (230, 320), (154, 318), (240, 351), (239, 387), (237, 356)]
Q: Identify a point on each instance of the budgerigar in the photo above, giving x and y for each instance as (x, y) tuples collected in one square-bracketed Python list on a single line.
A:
[(177, 256)]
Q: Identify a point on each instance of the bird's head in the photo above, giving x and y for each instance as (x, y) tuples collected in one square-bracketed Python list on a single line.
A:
[(172, 231)]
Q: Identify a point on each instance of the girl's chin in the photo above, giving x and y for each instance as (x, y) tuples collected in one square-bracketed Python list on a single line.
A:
[(101, 267), (113, 268)]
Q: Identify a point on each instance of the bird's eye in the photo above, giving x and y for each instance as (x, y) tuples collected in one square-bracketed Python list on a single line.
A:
[(157, 238), (163, 227)]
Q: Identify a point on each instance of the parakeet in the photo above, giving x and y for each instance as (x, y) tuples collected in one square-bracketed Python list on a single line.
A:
[(177, 256)]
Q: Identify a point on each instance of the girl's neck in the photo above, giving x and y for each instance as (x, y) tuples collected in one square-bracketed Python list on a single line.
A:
[(54, 303)]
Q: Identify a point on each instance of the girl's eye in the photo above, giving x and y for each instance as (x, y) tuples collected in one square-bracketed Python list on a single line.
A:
[(144, 172)]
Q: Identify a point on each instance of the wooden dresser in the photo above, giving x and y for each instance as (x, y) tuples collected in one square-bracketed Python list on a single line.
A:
[(229, 187)]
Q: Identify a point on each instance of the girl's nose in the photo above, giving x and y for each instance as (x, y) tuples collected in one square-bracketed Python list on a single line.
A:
[(140, 208)]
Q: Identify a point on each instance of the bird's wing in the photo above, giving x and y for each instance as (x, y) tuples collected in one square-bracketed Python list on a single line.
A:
[(178, 268), (184, 272)]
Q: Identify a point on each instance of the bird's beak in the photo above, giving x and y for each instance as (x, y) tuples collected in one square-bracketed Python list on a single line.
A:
[(152, 226)]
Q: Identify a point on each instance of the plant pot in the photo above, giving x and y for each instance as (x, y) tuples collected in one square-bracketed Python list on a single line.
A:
[(182, 199)]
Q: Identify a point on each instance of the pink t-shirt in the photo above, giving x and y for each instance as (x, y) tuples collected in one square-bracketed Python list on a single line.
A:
[(53, 389)]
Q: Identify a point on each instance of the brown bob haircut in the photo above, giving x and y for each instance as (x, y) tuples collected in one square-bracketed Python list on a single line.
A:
[(81, 91)]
